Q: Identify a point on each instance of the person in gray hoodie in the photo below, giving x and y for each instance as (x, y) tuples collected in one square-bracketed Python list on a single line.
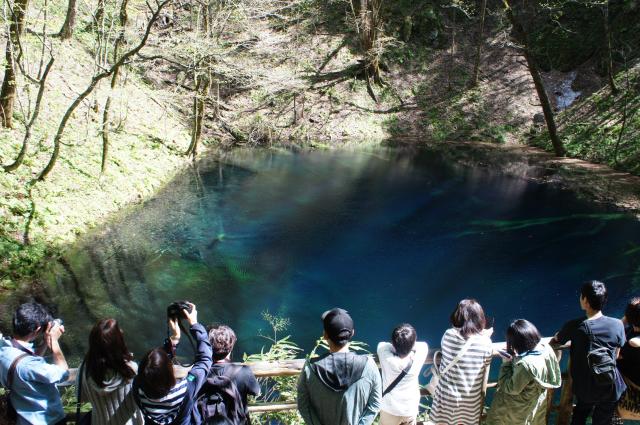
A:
[(341, 387)]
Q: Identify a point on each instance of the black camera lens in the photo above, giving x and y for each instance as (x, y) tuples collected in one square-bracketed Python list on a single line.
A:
[(174, 310)]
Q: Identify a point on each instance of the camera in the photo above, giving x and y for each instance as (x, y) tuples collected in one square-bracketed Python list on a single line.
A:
[(174, 311), (57, 322)]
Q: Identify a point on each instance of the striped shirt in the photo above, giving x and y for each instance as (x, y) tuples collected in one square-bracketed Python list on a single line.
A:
[(163, 410), (458, 398), (177, 407)]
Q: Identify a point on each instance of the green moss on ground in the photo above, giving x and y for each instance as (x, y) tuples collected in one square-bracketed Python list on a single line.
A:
[(148, 133)]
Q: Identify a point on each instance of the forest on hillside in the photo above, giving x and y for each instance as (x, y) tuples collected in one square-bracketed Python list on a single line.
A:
[(93, 90)]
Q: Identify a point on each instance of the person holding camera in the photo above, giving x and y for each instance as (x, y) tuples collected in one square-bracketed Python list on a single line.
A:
[(23, 371), (529, 368), (161, 398)]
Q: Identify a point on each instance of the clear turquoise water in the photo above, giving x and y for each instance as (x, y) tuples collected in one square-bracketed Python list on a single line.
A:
[(392, 236)]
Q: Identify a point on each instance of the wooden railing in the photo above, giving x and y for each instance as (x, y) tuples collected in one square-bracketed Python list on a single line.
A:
[(562, 409), (294, 367)]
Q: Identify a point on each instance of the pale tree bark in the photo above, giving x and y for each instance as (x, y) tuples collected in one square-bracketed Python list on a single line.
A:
[(99, 14), (34, 116), (66, 32), (120, 40), (57, 139), (203, 84), (8, 90)]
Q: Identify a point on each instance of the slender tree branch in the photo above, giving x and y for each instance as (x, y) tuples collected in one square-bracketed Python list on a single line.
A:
[(92, 85)]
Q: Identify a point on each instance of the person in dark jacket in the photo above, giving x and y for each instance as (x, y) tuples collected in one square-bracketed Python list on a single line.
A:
[(339, 388), (593, 398), (629, 361), (223, 339), (163, 399)]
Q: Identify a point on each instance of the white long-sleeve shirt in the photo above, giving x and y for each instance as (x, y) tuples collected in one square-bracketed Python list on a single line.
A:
[(404, 399)]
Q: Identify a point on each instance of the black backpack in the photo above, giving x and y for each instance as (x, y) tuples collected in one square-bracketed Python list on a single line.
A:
[(601, 360), (220, 402)]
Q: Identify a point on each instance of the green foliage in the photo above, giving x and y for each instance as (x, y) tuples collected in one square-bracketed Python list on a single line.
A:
[(566, 34), (418, 22), (281, 388)]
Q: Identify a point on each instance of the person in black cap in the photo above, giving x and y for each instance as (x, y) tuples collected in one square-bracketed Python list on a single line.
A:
[(340, 387)]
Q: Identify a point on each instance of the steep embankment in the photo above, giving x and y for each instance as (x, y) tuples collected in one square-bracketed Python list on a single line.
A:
[(148, 134)]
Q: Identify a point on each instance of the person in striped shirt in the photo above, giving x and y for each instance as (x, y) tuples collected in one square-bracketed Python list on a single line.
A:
[(162, 399), (466, 352)]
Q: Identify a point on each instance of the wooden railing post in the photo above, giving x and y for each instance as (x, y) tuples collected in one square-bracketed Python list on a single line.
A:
[(566, 399), (485, 386), (552, 392)]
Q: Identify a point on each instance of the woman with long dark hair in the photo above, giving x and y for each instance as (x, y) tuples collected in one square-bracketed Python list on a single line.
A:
[(529, 369), (466, 352), (162, 398), (107, 376)]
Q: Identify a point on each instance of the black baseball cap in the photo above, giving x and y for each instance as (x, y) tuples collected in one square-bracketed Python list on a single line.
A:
[(338, 325)]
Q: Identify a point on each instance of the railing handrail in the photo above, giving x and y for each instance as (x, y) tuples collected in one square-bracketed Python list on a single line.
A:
[(293, 367)]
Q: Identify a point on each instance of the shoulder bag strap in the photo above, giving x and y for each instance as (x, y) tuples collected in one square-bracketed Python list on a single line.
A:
[(398, 378), (459, 356), (589, 334), (79, 392), (593, 342), (12, 369)]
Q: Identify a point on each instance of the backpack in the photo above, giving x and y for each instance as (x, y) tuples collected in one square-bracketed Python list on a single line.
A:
[(220, 402), (601, 361)]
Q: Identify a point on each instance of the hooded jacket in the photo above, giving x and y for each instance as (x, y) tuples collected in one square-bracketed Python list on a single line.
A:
[(522, 388), (112, 403), (339, 389)]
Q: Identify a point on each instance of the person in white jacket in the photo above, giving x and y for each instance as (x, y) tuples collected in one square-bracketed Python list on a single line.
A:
[(401, 362)]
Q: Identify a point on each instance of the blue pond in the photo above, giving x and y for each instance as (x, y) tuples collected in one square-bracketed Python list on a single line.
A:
[(390, 235)]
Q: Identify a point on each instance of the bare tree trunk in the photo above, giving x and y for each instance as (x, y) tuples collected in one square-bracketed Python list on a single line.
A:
[(8, 90), (368, 25), (66, 32), (204, 12), (114, 81), (480, 41), (99, 14), (36, 111), (609, 58), (57, 139), (453, 48), (521, 36), (199, 101)]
